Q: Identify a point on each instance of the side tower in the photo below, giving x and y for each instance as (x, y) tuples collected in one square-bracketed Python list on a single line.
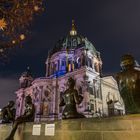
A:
[(26, 78), (25, 82)]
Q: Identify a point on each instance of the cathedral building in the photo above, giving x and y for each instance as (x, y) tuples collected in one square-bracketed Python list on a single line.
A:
[(72, 56)]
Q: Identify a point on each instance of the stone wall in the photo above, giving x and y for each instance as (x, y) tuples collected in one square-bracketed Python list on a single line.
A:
[(117, 128)]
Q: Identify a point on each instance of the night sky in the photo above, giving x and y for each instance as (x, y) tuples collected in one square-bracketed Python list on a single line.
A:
[(113, 26)]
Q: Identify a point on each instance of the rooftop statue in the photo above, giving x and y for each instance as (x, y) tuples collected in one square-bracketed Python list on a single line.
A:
[(129, 84), (26, 117), (69, 99), (8, 112)]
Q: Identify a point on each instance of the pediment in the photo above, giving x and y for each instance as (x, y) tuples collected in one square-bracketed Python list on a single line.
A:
[(110, 80)]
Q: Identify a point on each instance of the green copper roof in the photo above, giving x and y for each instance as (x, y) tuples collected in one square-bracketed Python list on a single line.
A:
[(72, 42)]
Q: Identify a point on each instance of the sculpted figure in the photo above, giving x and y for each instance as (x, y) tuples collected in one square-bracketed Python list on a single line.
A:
[(129, 84), (69, 99), (26, 117), (8, 112)]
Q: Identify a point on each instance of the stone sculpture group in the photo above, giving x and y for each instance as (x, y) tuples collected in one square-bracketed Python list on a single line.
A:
[(69, 99), (129, 84), (26, 117)]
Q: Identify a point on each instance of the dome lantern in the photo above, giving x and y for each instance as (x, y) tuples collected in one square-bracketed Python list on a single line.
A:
[(73, 31), (72, 41)]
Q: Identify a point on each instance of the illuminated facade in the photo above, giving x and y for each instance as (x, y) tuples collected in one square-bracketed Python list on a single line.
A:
[(73, 56)]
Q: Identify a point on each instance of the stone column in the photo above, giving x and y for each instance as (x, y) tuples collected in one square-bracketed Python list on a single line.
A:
[(56, 97), (95, 93), (22, 103)]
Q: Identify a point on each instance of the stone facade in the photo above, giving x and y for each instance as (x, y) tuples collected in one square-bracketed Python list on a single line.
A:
[(112, 101), (73, 56)]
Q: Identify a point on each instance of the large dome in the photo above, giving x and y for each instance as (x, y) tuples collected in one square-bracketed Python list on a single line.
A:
[(72, 41)]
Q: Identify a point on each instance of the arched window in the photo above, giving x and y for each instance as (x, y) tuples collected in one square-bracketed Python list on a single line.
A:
[(90, 63), (79, 62), (63, 65), (83, 59), (75, 64), (96, 67), (74, 42)]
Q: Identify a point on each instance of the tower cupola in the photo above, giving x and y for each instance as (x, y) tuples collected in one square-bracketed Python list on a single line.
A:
[(26, 78)]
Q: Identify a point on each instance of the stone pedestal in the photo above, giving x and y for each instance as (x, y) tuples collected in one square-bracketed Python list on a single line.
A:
[(117, 128)]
